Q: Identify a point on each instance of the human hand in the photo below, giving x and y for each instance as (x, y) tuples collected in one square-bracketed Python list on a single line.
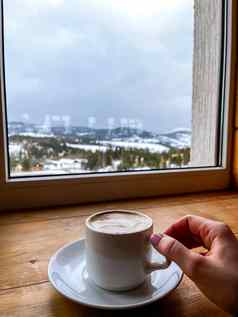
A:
[(215, 272)]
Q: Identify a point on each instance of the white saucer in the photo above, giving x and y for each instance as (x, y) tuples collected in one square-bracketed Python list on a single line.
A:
[(67, 273)]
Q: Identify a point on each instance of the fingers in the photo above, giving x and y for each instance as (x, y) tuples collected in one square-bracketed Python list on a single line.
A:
[(181, 232), (194, 231), (188, 261)]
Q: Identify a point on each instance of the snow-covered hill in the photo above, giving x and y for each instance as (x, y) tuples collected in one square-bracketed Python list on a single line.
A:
[(179, 138), (100, 139)]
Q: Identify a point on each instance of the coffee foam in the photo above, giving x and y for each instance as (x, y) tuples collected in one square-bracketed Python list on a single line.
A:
[(119, 222)]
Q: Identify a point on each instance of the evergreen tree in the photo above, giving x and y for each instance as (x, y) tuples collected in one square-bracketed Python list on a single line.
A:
[(26, 164)]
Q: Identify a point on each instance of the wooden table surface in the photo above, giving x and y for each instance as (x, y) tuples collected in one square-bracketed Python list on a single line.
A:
[(29, 238)]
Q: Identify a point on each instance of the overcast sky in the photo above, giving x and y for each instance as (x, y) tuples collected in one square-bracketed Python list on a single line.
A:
[(100, 62)]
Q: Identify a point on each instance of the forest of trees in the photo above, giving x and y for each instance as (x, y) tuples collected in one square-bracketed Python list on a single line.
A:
[(35, 151)]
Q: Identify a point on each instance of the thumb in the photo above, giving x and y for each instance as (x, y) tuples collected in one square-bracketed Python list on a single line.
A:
[(188, 261)]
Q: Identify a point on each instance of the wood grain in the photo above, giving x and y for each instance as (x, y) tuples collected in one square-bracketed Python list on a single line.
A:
[(21, 216), (28, 239), (42, 300)]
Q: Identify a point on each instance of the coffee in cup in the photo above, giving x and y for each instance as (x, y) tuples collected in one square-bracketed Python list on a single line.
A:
[(119, 222)]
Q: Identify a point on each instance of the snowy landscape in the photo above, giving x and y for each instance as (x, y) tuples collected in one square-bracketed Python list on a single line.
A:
[(40, 150)]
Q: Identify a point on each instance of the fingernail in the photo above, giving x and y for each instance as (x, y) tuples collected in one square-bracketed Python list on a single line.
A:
[(155, 239)]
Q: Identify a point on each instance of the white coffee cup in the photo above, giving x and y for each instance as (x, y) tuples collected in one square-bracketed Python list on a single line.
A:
[(120, 261)]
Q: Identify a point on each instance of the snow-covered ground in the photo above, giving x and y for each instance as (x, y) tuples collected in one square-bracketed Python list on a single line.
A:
[(88, 147), (36, 173), (185, 139), (66, 165), (179, 138), (15, 148), (152, 147), (36, 135), (179, 143), (128, 144), (179, 130)]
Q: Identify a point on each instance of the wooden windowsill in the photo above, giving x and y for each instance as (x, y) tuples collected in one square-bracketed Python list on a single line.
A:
[(29, 238)]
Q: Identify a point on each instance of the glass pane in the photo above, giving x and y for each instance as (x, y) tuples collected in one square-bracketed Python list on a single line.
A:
[(99, 85)]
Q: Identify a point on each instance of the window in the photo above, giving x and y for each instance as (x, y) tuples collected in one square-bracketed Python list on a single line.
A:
[(101, 92), (89, 89)]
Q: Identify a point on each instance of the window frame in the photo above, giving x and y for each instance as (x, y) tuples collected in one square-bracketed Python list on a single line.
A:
[(73, 189)]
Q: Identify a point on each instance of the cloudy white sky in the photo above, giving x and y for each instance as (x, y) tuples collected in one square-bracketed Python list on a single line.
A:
[(110, 60)]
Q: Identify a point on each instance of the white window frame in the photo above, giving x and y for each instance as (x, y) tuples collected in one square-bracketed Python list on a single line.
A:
[(71, 189)]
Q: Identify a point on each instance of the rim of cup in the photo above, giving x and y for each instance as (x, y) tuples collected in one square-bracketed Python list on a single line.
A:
[(89, 226)]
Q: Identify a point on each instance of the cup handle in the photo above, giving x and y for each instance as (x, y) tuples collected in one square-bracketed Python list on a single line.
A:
[(154, 266)]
